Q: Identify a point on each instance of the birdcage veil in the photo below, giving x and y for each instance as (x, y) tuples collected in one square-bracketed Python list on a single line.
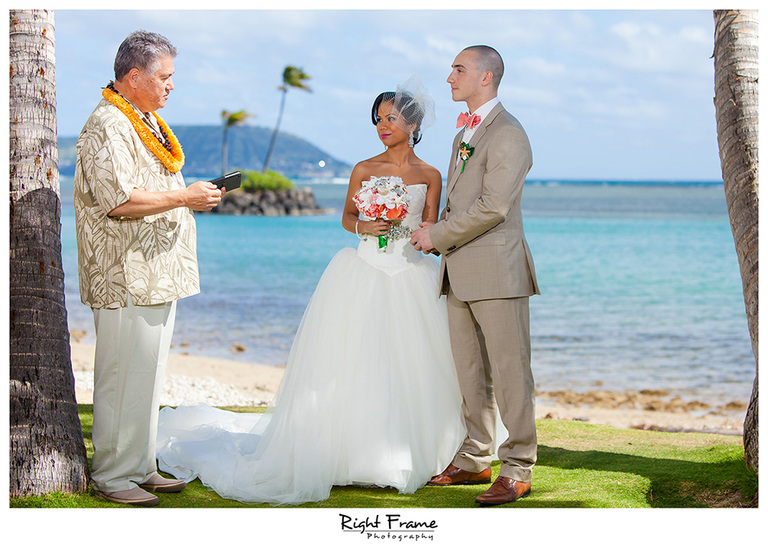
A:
[(414, 105), (413, 100)]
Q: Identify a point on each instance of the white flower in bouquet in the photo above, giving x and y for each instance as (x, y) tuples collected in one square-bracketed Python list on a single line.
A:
[(383, 197)]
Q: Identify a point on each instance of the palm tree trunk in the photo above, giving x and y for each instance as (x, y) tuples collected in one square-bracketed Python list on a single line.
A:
[(736, 105), (277, 129), (47, 452)]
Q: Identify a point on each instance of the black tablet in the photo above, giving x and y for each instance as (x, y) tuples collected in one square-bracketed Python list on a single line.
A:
[(229, 181)]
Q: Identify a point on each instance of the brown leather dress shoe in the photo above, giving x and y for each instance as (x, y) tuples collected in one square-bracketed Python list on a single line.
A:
[(453, 475), (504, 490)]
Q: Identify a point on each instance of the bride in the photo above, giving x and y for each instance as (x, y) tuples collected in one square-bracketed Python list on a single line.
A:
[(370, 394)]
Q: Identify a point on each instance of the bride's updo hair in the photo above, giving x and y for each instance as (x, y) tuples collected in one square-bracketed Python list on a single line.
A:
[(408, 108)]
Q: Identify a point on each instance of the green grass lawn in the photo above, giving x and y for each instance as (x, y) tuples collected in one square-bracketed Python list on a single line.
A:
[(580, 466)]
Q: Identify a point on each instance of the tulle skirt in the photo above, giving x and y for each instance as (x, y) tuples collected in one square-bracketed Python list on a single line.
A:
[(369, 396)]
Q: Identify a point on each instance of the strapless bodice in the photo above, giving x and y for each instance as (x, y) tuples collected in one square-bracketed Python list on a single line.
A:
[(399, 254)]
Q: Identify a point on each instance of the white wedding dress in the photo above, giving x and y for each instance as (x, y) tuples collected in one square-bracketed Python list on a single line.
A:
[(369, 396)]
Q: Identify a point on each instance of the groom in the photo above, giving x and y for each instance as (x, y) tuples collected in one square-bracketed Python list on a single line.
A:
[(487, 274)]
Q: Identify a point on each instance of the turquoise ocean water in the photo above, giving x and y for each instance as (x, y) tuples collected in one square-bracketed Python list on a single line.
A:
[(640, 286)]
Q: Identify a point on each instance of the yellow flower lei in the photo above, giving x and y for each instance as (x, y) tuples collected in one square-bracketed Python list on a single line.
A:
[(173, 160)]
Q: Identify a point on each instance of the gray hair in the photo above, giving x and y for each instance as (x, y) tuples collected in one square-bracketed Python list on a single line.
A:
[(489, 60), (142, 50)]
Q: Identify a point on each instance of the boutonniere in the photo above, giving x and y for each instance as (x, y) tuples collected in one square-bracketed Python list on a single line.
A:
[(465, 152)]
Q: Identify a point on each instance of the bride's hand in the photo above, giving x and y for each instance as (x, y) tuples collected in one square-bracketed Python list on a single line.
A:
[(378, 227)]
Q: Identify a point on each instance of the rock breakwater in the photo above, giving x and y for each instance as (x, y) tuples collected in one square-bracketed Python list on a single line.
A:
[(293, 202)]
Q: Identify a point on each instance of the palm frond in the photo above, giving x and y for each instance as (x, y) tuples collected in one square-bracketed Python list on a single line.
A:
[(235, 118), (295, 77)]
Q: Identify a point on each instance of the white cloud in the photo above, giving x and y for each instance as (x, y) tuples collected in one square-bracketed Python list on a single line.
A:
[(540, 65), (567, 72), (651, 48)]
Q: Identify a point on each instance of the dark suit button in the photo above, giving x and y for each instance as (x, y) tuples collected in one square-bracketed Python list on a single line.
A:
[(447, 209)]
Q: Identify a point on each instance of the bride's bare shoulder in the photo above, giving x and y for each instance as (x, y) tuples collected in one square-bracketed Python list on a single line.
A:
[(369, 167), (428, 172)]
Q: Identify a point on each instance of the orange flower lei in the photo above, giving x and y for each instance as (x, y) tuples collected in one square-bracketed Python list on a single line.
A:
[(173, 160)]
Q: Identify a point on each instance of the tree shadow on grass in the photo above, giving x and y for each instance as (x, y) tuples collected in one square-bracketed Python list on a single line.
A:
[(674, 483)]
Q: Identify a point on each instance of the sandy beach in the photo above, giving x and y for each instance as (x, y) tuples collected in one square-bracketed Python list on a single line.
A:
[(195, 379)]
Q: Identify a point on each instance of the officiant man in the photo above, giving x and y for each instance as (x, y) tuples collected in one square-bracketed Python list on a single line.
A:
[(136, 243), (488, 275)]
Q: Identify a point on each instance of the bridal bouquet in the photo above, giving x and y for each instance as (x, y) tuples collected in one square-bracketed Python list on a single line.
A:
[(383, 197)]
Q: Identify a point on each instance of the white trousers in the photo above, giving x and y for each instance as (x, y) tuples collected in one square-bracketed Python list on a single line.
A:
[(132, 346)]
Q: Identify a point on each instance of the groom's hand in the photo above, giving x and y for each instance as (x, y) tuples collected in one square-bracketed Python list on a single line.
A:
[(421, 240)]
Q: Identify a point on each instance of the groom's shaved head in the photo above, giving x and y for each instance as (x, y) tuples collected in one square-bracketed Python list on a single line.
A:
[(488, 60)]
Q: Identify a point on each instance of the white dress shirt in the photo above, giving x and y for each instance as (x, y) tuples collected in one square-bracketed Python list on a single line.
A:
[(482, 111)]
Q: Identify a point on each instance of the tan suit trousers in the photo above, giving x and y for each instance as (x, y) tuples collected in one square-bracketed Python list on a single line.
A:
[(490, 340)]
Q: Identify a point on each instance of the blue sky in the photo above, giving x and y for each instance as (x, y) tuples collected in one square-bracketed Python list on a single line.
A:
[(607, 95)]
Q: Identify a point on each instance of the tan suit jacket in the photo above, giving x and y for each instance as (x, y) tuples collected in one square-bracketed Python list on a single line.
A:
[(487, 273), (480, 232)]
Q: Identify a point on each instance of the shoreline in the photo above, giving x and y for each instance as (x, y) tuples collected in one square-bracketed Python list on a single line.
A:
[(192, 379)]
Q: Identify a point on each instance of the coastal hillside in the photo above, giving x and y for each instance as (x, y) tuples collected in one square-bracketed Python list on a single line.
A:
[(294, 157)]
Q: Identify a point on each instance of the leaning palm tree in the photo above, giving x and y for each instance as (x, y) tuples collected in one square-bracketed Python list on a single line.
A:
[(47, 452), (230, 120), (292, 77), (736, 106)]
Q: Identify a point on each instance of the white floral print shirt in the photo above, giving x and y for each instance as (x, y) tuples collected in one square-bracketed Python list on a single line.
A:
[(152, 259)]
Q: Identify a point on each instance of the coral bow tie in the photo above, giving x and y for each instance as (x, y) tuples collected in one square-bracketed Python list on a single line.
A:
[(470, 121)]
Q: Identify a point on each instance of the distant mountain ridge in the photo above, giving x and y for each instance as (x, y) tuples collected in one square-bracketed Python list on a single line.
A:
[(294, 157)]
